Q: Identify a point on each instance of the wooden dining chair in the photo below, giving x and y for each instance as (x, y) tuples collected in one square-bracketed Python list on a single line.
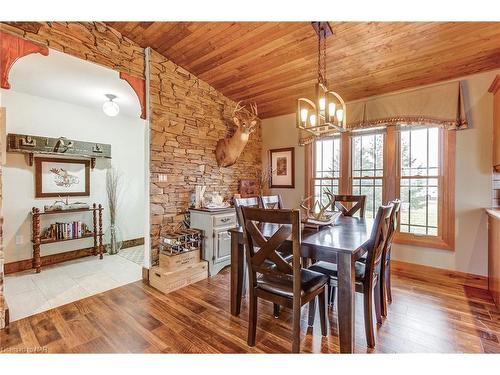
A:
[(272, 278), (271, 201), (355, 203), (244, 202), (285, 250), (367, 274), (385, 272)]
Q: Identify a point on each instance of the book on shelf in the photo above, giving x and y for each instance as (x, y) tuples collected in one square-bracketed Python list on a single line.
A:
[(65, 231)]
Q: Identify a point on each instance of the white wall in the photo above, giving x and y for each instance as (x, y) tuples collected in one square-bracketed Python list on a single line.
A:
[(472, 184), (28, 114)]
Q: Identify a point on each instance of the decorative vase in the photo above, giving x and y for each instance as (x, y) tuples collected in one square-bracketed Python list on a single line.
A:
[(113, 239)]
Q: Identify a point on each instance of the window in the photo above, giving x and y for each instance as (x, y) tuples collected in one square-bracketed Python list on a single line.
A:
[(367, 169), (419, 184), (425, 185), (413, 163), (326, 172)]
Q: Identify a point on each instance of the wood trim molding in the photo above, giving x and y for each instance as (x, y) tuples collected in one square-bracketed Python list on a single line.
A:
[(27, 264), (308, 170), (12, 48), (345, 164), (441, 275), (390, 164), (139, 87), (495, 85)]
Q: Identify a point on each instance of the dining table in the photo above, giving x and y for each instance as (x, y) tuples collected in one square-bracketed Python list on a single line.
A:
[(342, 243)]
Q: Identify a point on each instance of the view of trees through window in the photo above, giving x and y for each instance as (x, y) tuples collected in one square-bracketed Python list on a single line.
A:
[(419, 161), (327, 167), (367, 169), (418, 176)]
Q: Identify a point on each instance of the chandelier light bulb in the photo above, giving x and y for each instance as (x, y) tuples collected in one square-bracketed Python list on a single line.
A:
[(340, 115), (321, 104), (331, 109), (110, 107), (303, 114), (312, 120)]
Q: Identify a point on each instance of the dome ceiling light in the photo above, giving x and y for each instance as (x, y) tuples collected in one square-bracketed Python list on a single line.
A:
[(110, 107)]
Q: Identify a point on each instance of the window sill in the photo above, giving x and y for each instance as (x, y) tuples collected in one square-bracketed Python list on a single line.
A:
[(423, 241)]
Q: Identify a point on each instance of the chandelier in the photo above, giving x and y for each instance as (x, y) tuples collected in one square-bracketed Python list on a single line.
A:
[(327, 112)]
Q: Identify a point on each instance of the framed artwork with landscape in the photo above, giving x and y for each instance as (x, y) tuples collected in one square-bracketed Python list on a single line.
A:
[(283, 167), (61, 177)]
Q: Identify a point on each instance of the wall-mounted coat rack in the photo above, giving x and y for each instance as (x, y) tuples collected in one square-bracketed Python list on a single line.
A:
[(33, 144)]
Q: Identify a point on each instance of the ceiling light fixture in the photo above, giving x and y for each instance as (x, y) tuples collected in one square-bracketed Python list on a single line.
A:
[(327, 112), (110, 107)]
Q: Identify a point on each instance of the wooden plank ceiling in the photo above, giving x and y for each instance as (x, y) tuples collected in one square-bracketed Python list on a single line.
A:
[(274, 63)]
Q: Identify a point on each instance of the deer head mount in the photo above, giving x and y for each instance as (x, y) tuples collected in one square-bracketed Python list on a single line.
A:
[(229, 149)]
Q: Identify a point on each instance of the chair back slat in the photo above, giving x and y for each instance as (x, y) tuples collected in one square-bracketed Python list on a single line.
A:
[(268, 247), (244, 202), (271, 202), (393, 226), (377, 241), (355, 203), (262, 253)]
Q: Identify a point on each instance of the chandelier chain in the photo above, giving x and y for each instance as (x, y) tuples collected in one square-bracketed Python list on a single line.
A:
[(322, 56)]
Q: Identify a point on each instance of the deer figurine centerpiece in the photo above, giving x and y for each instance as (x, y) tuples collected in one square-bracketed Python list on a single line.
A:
[(228, 150)]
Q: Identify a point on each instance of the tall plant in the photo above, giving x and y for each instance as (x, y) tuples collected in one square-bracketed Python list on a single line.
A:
[(112, 183), (113, 178)]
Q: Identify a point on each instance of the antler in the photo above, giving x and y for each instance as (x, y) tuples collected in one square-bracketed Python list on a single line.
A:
[(237, 108), (322, 208), (253, 107)]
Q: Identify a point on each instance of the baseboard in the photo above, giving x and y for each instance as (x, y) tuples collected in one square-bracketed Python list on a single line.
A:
[(4, 313), (145, 275), (428, 272), (133, 242), (26, 264)]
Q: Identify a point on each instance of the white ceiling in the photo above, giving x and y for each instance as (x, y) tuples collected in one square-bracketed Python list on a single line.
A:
[(62, 77)]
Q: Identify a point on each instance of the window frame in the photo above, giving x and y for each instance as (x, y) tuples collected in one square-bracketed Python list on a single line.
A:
[(313, 177), (445, 238), (391, 183), (351, 161)]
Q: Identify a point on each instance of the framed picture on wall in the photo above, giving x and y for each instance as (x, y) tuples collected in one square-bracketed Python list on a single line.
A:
[(282, 167), (61, 177)]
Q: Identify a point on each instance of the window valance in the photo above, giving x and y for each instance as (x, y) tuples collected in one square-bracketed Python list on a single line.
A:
[(442, 105)]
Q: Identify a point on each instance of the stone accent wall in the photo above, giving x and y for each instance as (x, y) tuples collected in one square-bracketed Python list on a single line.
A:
[(188, 117)]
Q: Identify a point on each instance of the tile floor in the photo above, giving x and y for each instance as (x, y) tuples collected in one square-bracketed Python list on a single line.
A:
[(28, 293)]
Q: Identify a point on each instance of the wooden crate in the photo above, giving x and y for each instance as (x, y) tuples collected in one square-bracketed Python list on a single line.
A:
[(167, 282), (179, 261)]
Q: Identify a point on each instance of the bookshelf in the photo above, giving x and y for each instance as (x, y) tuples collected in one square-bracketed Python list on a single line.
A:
[(37, 240)]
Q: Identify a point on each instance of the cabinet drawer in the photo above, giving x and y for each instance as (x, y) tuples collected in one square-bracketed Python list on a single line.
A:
[(224, 220)]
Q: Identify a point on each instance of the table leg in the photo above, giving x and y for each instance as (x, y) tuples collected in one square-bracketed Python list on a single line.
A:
[(346, 302), (236, 274)]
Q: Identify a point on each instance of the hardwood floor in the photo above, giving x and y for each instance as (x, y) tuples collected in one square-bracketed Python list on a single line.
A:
[(430, 313)]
